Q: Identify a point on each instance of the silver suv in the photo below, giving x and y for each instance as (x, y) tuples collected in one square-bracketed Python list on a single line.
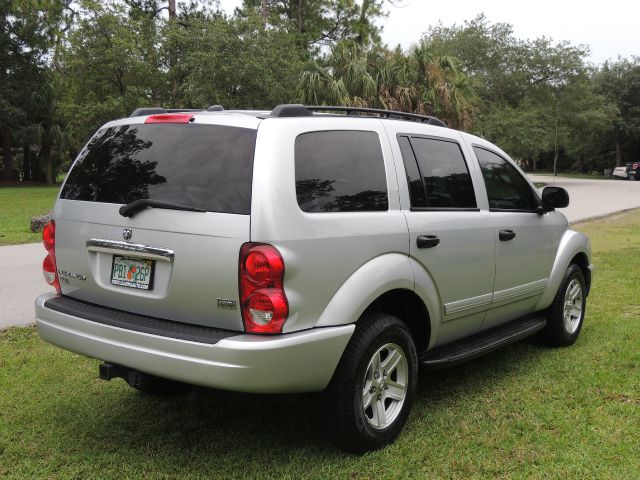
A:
[(304, 249)]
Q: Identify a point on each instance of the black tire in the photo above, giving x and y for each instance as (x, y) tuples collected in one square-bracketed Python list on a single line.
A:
[(351, 426), (558, 332)]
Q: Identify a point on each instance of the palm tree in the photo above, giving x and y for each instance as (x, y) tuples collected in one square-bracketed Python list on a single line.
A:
[(416, 83)]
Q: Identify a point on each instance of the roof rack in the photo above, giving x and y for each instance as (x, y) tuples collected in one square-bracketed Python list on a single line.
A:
[(140, 112), (297, 110)]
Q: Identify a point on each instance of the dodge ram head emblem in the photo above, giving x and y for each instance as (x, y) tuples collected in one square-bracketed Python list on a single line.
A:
[(127, 233)]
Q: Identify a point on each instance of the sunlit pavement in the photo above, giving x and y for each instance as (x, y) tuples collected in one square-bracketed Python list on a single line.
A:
[(594, 198), (21, 281)]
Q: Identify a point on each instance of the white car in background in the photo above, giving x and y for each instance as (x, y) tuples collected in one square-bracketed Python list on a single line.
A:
[(620, 172)]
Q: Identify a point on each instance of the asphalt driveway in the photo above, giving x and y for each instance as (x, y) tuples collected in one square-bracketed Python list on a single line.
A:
[(21, 280)]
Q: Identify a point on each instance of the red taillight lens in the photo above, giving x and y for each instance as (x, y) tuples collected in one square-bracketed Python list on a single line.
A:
[(49, 236), (262, 297), (170, 118), (49, 268)]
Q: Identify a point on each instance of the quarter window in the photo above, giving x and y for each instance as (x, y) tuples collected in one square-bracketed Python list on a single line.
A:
[(506, 188), (437, 174), (340, 171)]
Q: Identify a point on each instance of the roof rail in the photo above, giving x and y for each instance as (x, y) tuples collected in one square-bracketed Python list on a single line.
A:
[(391, 114), (140, 112), (290, 110)]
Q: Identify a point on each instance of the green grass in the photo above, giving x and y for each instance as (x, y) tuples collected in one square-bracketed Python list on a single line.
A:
[(17, 206), (524, 411), (588, 176)]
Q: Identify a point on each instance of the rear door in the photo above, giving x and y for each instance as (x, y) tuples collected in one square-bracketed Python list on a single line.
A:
[(449, 235), (172, 264)]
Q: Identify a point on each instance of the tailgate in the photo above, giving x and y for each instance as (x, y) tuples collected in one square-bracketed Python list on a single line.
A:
[(172, 264), (193, 265)]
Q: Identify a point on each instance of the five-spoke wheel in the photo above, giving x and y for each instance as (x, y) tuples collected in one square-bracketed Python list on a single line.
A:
[(372, 389)]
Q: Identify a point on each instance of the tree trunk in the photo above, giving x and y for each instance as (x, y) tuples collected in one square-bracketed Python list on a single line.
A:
[(26, 162), (264, 10), (7, 175), (618, 153), (44, 157), (173, 56), (300, 18)]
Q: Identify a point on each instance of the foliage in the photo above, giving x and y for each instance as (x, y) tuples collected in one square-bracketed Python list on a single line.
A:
[(418, 82), (72, 65), (19, 205)]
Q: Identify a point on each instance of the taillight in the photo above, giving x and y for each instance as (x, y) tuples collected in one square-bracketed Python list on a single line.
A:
[(49, 268), (263, 301)]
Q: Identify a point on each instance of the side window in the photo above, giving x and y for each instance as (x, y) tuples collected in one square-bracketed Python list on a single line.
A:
[(340, 171), (506, 188), (414, 180), (441, 173)]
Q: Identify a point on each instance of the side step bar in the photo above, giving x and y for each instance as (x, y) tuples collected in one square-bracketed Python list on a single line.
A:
[(484, 342)]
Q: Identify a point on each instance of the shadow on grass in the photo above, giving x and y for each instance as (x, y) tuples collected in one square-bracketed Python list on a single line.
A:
[(212, 426)]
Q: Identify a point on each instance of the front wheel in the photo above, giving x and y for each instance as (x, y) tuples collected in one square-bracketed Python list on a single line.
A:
[(566, 314), (372, 390)]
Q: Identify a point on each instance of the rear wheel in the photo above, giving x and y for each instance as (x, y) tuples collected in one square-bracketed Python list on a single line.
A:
[(566, 314), (372, 390)]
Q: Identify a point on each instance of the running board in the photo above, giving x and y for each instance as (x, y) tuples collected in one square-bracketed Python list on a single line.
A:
[(481, 343)]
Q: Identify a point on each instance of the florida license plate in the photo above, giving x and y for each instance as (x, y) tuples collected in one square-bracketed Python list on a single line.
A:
[(132, 272)]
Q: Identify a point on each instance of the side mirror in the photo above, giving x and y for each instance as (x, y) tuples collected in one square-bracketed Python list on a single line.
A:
[(554, 197)]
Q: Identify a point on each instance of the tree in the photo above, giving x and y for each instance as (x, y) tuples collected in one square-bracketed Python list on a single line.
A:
[(26, 29), (416, 83), (619, 83)]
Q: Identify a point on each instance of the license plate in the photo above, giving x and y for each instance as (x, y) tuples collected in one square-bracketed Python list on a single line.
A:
[(132, 272)]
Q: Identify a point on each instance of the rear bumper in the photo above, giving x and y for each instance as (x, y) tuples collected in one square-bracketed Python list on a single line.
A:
[(294, 362)]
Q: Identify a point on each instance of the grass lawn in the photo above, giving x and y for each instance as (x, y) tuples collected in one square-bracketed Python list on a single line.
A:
[(17, 206), (524, 411), (588, 176)]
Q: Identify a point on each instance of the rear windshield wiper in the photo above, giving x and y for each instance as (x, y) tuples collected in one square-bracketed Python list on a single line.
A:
[(130, 209)]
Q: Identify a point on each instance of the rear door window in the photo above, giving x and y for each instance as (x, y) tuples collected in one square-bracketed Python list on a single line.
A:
[(340, 171), (437, 174), (204, 166)]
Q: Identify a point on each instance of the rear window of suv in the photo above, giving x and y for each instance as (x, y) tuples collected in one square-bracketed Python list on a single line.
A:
[(204, 166)]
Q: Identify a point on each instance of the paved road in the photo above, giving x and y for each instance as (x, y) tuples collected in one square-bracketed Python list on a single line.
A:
[(21, 265), (21, 281), (594, 198)]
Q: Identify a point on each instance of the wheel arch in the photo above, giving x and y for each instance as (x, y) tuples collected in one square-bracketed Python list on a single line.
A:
[(407, 306), (574, 248), (392, 284)]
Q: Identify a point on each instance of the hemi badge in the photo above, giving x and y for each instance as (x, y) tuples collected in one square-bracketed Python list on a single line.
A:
[(227, 303)]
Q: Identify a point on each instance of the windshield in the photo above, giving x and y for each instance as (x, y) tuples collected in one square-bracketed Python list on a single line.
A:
[(204, 166)]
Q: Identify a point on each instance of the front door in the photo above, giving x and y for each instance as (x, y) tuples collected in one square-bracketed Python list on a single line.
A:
[(525, 239)]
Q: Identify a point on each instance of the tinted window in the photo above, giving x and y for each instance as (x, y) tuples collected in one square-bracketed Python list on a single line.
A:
[(414, 180), (446, 177), (506, 188), (340, 171), (204, 166)]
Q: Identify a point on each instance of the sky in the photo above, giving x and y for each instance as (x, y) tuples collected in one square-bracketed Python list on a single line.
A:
[(610, 28)]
